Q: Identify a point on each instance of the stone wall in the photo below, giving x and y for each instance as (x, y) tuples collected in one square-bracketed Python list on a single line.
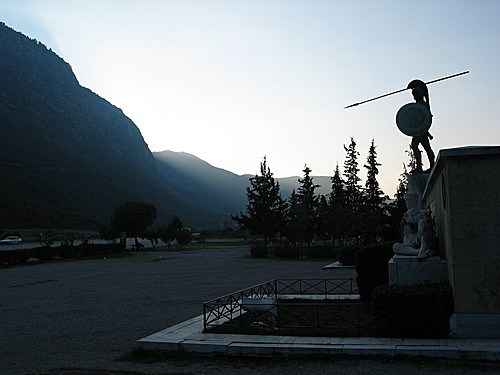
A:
[(463, 196)]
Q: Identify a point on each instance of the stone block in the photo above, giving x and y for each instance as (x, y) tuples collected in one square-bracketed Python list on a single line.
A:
[(480, 326), (258, 349), (449, 352), (311, 349), (416, 184), (212, 347), (370, 350), (409, 270)]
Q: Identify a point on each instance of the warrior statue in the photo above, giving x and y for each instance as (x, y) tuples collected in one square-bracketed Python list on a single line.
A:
[(415, 119), (421, 95)]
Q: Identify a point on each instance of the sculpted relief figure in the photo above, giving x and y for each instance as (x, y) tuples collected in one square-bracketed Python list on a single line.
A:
[(416, 226)]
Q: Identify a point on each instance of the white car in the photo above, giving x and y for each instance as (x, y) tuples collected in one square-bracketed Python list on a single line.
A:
[(11, 240)]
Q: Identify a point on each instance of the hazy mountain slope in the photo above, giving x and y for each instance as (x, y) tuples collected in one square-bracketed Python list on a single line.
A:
[(203, 180), (205, 184), (67, 156)]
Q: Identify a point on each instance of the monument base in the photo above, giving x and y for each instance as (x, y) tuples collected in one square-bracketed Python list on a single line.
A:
[(475, 326), (409, 270)]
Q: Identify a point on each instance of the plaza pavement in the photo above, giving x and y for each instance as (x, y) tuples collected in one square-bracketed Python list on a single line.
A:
[(188, 337), (85, 316)]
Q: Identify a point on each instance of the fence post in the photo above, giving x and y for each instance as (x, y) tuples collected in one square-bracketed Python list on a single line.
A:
[(204, 317)]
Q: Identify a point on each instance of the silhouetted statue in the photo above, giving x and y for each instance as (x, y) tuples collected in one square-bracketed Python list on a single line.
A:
[(421, 95)]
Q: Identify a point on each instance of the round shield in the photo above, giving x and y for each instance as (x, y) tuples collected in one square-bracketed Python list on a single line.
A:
[(414, 119)]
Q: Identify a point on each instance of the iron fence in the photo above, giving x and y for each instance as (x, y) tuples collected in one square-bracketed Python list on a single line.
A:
[(321, 307), (273, 306)]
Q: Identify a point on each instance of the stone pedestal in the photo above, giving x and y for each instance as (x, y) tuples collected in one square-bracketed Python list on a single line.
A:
[(463, 194), (416, 184), (409, 270), (475, 325)]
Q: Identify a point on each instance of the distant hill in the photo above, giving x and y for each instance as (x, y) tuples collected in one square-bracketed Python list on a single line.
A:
[(68, 157), (206, 186)]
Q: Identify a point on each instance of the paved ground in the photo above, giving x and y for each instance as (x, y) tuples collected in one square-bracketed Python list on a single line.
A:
[(83, 317)]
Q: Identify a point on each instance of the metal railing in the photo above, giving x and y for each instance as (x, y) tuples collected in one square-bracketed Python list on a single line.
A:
[(273, 306), (318, 287), (320, 307)]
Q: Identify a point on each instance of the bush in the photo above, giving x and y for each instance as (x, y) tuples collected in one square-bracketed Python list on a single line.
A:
[(413, 310), (286, 251), (347, 255), (47, 253), (322, 252), (258, 250), (372, 268)]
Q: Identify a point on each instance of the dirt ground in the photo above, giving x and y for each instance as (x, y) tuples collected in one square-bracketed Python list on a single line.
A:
[(83, 317)]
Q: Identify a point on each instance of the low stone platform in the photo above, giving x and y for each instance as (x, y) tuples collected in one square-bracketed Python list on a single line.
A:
[(409, 270), (188, 337)]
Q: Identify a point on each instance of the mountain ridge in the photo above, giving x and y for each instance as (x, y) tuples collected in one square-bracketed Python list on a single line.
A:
[(69, 157)]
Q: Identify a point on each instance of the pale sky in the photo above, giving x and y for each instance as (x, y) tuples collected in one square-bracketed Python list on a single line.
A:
[(232, 81)]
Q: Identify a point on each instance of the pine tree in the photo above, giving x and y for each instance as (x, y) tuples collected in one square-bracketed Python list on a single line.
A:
[(338, 207), (402, 188), (308, 201), (323, 218), (396, 209), (293, 225), (374, 196), (265, 208), (353, 191), (374, 199)]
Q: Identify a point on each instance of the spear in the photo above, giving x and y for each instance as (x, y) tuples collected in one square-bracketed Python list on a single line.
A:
[(407, 88)]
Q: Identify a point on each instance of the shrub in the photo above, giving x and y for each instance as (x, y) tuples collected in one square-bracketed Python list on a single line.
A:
[(372, 268), (47, 253), (347, 255), (322, 252), (286, 251), (258, 250), (413, 310)]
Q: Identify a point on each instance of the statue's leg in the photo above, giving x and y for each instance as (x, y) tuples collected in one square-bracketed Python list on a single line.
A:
[(430, 154), (416, 153), (403, 249), (423, 236)]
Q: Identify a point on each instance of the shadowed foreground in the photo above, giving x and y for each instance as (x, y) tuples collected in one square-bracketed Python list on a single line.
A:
[(83, 317)]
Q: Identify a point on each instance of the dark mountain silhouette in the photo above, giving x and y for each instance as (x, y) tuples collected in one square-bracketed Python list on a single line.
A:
[(68, 157)]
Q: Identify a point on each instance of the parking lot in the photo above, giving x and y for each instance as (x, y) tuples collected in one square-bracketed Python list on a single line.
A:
[(83, 317)]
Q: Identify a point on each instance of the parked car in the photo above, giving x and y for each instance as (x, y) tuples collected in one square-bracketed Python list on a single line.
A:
[(11, 240)]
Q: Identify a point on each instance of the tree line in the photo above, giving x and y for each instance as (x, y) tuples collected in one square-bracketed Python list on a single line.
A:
[(350, 213), (134, 219)]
